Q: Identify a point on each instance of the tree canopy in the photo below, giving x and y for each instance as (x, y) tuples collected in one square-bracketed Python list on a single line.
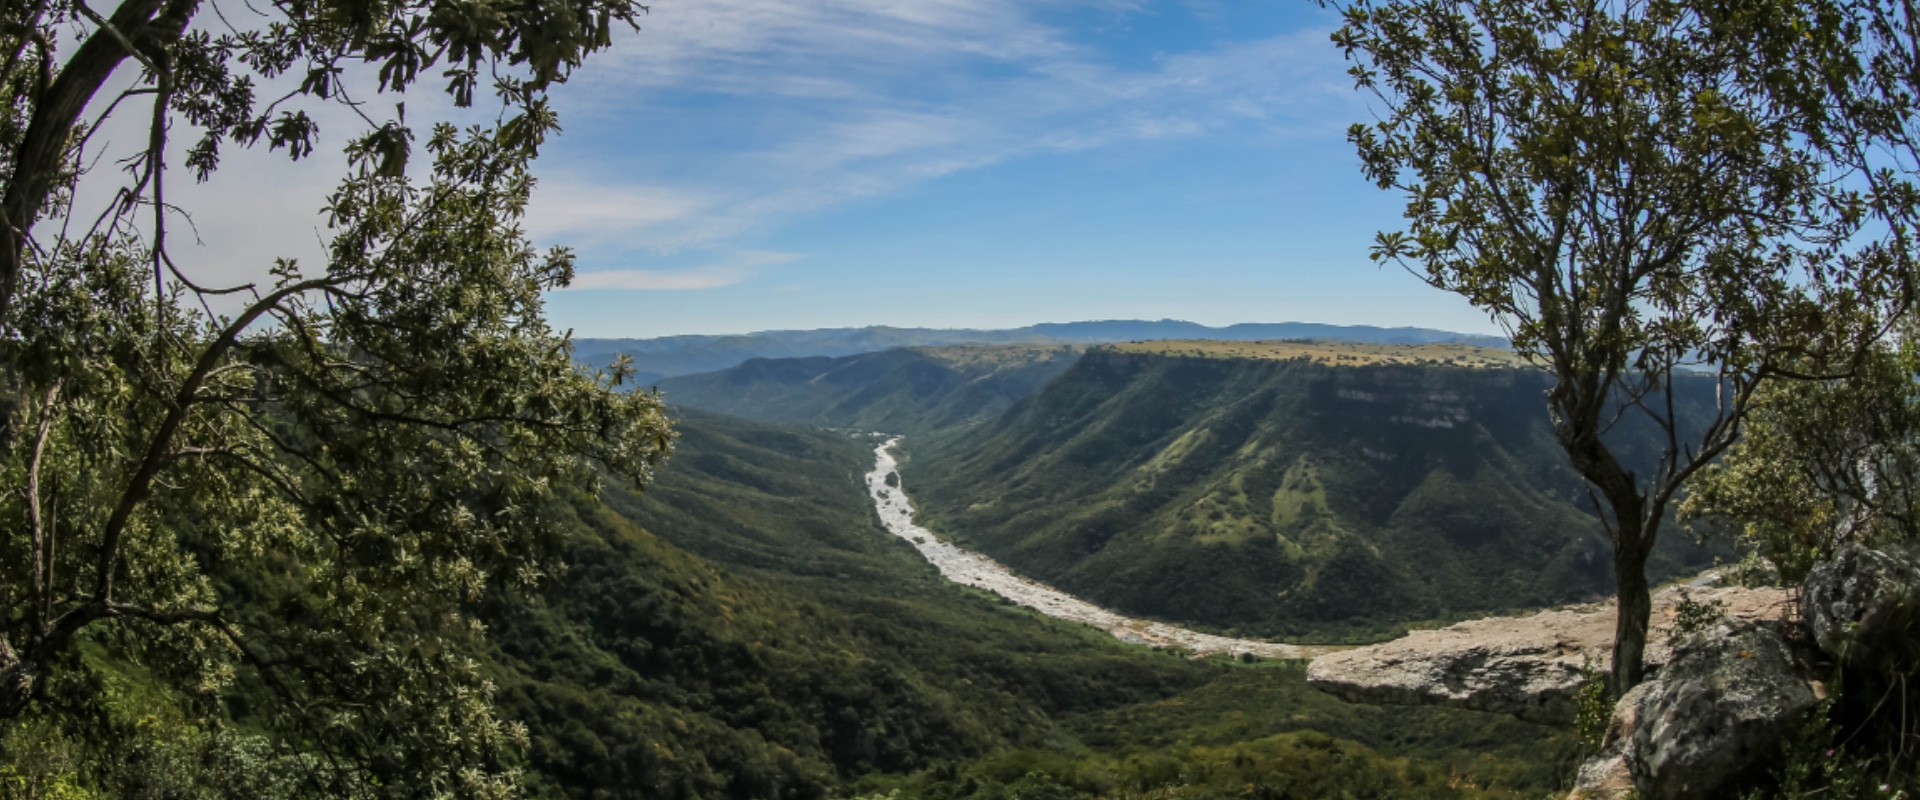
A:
[(1823, 464), (304, 497), (1636, 188)]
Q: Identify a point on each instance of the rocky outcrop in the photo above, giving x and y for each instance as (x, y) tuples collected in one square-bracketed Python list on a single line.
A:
[(1716, 702), (1720, 704), (1529, 667), (1863, 607)]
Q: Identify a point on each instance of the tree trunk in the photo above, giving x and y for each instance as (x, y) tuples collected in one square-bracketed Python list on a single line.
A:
[(1577, 423), (1634, 607), (38, 159)]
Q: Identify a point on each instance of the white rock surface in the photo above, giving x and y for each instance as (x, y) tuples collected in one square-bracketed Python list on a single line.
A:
[(1528, 666)]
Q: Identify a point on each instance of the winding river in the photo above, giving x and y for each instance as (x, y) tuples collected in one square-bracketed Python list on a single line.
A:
[(973, 569)]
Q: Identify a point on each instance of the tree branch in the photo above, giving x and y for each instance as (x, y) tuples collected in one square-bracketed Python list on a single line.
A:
[(162, 441)]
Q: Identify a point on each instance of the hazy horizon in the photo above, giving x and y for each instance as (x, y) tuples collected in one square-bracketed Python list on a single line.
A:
[(883, 326)]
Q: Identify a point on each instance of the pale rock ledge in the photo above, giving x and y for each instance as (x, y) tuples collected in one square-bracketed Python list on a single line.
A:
[(1529, 667)]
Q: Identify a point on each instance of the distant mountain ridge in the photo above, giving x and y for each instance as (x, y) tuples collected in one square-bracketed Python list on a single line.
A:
[(663, 357), (902, 390), (1336, 492), (1331, 490)]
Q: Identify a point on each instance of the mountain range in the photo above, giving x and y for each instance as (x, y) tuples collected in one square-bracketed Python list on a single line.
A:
[(664, 357), (1318, 490)]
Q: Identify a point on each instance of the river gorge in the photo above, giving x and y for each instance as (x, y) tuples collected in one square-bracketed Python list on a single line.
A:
[(966, 567)]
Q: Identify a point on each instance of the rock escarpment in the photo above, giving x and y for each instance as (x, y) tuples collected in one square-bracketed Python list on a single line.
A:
[(1530, 667), (1730, 671)]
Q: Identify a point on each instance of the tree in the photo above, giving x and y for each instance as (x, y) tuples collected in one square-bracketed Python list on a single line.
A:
[(1635, 189), (1823, 464), (288, 512)]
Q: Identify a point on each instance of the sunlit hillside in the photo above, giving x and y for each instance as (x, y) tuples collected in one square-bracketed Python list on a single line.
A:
[(1331, 352)]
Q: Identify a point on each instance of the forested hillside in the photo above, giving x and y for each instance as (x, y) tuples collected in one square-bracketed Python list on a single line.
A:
[(1332, 493), (811, 648), (745, 629), (906, 390), (797, 647)]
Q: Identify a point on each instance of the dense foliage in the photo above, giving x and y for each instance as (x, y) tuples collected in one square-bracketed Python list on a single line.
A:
[(315, 504), (1261, 732), (243, 546), (1823, 464)]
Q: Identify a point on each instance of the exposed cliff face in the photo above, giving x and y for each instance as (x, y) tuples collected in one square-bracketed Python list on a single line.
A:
[(1280, 497)]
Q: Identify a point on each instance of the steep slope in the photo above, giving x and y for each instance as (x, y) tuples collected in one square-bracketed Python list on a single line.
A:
[(665, 357), (805, 647), (806, 654), (1031, 695), (1285, 489), (906, 390)]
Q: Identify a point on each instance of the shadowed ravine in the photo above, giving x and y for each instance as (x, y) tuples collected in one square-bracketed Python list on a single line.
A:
[(973, 569)]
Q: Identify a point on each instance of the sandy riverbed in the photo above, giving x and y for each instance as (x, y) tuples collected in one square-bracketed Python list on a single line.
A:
[(974, 569)]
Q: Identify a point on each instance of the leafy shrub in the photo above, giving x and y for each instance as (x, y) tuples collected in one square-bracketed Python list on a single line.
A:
[(1695, 616)]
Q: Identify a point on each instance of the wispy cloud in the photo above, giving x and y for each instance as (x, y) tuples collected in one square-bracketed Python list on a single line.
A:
[(588, 211), (813, 105), (712, 276), (772, 110)]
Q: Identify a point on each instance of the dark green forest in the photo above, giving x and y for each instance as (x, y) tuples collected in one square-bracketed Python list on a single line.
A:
[(1284, 498), (745, 629), (1269, 498), (795, 649)]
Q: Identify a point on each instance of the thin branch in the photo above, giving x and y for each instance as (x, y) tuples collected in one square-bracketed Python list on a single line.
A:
[(157, 167), (36, 524), (162, 441)]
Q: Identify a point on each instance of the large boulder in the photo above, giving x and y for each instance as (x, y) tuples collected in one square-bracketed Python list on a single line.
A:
[(1863, 607), (1721, 703), (1529, 667)]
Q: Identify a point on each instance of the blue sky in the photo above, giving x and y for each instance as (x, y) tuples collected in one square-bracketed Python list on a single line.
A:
[(754, 164), (742, 165)]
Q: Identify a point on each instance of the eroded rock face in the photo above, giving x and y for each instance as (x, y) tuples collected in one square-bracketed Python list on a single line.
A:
[(1529, 667), (1863, 607), (1721, 703)]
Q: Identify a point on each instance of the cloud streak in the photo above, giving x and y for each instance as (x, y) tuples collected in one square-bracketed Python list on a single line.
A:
[(834, 101), (712, 276)]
